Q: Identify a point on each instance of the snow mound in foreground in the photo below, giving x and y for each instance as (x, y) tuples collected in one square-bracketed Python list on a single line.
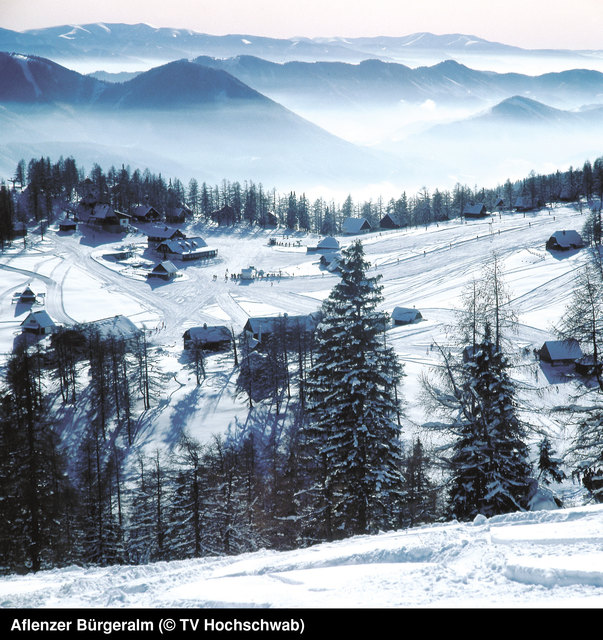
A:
[(540, 558)]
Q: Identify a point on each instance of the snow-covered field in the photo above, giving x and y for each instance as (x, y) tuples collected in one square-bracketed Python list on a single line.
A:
[(422, 267), (537, 559), (542, 558)]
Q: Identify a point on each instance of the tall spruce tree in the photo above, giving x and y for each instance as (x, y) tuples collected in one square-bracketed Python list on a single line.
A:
[(352, 435), (490, 468)]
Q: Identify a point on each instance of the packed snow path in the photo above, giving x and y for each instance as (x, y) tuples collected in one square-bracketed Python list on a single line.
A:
[(537, 559)]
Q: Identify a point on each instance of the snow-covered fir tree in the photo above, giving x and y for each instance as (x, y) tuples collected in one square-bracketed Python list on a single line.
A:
[(549, 466), (490, 466), (353, 432)]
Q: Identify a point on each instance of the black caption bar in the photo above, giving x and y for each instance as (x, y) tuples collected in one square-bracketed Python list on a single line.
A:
[(105, 623)]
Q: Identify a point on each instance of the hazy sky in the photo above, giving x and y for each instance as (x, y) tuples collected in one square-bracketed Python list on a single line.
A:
[(575, 24)]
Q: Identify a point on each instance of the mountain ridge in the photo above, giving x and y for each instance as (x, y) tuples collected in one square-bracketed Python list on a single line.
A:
[(109, 39)]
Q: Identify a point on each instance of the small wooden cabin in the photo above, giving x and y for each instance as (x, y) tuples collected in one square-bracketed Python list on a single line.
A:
[(212, 338), (402, 315), (561, 352)]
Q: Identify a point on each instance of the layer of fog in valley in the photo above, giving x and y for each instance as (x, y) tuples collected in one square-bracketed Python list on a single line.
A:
[(321, 128)]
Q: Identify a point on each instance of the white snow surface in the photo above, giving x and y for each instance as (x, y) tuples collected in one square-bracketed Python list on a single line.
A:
[(534, 559)]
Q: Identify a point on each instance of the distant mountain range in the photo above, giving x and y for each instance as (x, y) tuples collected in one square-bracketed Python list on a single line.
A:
[(518, 116), (36, 80), (195, 117), (371, 82), (376, 82), (141, 41)]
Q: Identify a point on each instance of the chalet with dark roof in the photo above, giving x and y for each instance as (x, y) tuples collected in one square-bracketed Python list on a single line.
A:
[(391, 221), (146, 213), (226, 215), (106, 218), (27, 296), (178, 214)]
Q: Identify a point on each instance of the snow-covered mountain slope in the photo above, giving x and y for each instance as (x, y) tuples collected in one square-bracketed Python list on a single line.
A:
[(33, 80), (548, 559)]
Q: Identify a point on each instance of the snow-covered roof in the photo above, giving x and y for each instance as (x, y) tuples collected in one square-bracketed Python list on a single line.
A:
[(355, 225), (478, 209), (38, 320), (328, 243), (268, 324), (167, 266), (115, 327), (563, 349), (184, 245), (568, 238), (402, 314), (163, 233), (145, 211), (208, 334), (178, 212), (103, 211)]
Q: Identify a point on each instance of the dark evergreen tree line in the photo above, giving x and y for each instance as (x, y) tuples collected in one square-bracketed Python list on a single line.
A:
[(233, 203)]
